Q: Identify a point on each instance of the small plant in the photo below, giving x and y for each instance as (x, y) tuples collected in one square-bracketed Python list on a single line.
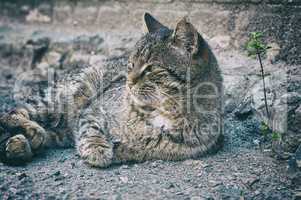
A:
[(264, 129), (256, 48), (276, 136)]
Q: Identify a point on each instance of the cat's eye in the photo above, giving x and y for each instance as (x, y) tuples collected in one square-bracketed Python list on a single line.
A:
[(147, 70)]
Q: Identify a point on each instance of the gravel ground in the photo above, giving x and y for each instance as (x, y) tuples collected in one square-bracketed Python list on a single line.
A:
[(239, 171), (59, 174)]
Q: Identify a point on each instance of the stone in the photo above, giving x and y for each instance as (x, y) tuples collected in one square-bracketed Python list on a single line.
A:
[(244, 109), (78, 57), (96, 59), (39, 47), (298, 156), (124, 167), (292, 165), (273, 52), (170, 185), (296, 179), (124, 179), (251, 181), (57, 173), (291, 98), (297, 195), (35, 16), (43, 68), (53, 58), (298, 111), (230, 106), (21, 175), (220, 41), (62, 14)]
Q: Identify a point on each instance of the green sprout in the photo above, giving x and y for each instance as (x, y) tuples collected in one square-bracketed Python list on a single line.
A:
[(256, 47), (264, 129), (276, 136)]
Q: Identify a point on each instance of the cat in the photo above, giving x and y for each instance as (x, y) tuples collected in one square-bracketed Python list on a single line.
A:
[(163, 102)]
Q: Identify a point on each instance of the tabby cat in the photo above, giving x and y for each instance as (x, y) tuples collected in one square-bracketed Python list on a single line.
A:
[(164, 102)]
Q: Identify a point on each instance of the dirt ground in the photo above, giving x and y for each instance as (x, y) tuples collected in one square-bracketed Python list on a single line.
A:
[(59, 174), (241, 170)]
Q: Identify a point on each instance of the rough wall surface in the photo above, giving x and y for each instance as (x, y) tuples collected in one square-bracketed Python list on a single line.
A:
[(230, 19)]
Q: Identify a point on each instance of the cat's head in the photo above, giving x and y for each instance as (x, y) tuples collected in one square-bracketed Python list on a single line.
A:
[(163, 60)]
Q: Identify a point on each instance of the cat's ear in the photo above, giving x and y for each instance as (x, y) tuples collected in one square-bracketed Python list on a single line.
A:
[(186, 36), (151, 24)]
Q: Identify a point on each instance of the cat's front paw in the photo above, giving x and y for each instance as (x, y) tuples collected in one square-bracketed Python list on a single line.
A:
[(18, 122), (35, 134), (95, 151), (17, 150)]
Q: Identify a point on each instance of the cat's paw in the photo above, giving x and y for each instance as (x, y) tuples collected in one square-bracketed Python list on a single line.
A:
[(35, 134), (18, 150), (18, 122), (95, 151)]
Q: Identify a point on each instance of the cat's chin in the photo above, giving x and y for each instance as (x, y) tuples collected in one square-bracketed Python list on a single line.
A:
[(140, 101)]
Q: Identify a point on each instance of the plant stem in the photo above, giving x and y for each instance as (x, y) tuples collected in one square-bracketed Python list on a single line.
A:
[(264, 89)]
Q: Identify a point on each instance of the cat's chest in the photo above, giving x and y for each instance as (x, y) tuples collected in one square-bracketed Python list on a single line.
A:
[(160, 121)]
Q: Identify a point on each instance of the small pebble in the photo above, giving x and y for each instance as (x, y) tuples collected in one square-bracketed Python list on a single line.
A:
[(57, 173), (21, 175), (72, 165), (124, 167), (170, 185), (124, 179), (117, 173)]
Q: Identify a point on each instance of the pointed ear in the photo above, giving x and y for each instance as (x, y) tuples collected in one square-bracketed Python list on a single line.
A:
[(151, 23), (186, 36)]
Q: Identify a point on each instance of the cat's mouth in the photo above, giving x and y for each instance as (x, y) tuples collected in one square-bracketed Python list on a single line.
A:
[(142, 99), (142, 105)]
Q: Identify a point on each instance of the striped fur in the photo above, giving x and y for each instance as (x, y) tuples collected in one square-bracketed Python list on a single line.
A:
[(167, 104)]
